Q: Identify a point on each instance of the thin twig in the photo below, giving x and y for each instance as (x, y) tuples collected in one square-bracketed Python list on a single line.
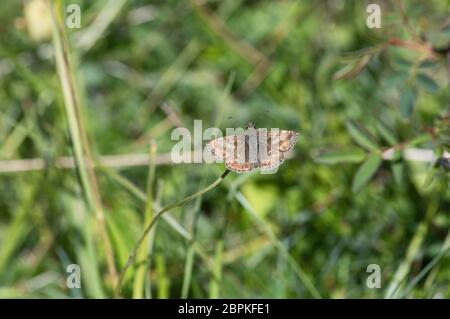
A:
[(68, 162), (413, 45), (133, 160)]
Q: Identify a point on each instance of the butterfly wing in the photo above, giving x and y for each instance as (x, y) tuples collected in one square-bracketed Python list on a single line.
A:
[(269, 155), (239, 161), (284, 140), (240, 167), (271, 162), (232, 150), (218, 147)]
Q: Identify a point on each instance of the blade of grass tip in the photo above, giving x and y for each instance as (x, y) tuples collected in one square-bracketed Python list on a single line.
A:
[(96, 30), (78, 135), (189, 262), (279, 245), (155, 219), (12, 142), (141, 271)]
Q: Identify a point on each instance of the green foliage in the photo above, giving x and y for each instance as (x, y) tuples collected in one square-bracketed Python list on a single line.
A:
[(355, 155), (407, 102), (361, 136), (366, 171)]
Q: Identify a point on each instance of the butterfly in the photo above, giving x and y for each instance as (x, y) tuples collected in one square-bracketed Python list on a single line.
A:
[(255, 148)]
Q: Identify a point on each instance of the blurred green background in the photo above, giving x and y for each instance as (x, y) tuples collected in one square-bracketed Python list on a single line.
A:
[(361, 187)]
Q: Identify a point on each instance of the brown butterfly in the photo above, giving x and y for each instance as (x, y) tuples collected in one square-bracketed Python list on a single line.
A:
[(254, 148)]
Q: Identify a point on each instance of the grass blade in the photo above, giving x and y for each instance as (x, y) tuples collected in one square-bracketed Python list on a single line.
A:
[(279, 245), (80, 143), (156, 218)]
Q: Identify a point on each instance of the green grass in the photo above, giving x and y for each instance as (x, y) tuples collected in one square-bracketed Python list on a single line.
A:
[(368, 104)]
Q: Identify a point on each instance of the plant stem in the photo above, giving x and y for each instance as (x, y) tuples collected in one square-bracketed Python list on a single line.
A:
[(78, 133), (155, 219), (143, 252)]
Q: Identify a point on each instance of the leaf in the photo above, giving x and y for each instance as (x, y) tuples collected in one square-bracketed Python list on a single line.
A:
[(394, 79), (430, 176), (331, 157), (398, 168), (426, 64), (386, 133), (407, 101), (427, 83), (261, 197), (420, 139), (361, 136), (366, 171), (352, 69), (402, 63)]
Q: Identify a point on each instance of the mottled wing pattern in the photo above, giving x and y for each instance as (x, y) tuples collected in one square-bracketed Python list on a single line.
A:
[(271, 146), (240, 167), (283, 139), (269, 156), (271, 161), (239, 162), (218, 147)]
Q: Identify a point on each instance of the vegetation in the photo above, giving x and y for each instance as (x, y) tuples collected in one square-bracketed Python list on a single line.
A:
[(86, 117)]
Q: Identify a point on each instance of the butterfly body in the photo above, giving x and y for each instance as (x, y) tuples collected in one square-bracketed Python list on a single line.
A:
[(255, 148)]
